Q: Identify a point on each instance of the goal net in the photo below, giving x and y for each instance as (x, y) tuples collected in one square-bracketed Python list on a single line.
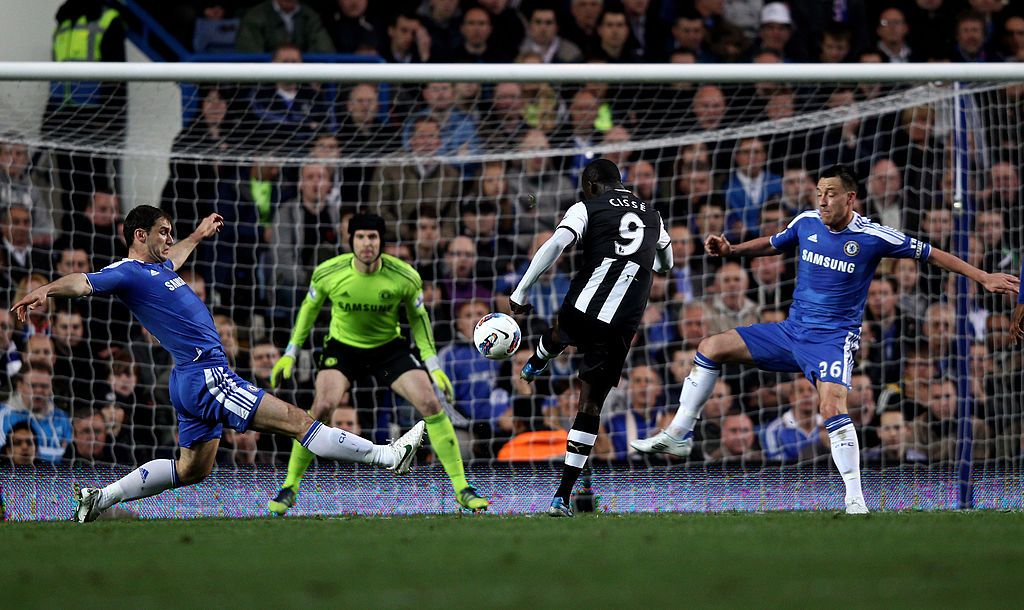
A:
[(471, 178)]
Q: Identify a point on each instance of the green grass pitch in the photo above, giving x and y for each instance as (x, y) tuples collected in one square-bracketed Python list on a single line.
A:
[(594, 561)]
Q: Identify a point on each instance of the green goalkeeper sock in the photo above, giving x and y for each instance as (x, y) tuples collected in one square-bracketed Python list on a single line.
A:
[(446, 446), (298, 464)]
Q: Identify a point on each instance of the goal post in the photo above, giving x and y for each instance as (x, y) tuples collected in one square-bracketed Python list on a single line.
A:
[(472, 166)]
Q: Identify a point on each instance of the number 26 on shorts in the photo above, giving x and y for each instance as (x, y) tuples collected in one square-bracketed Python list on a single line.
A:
[(835, 370)]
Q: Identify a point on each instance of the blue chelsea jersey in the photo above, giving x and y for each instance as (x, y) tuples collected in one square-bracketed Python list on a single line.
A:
[(165, 305), (836, 268)]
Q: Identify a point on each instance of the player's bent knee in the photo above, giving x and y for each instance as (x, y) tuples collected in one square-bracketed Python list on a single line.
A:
[(430, 406)]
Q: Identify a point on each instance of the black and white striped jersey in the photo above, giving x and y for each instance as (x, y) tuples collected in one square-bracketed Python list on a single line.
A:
[(620, 235)]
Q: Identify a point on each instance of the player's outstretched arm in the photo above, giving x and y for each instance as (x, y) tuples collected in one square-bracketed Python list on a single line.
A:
[(183, 249), (546, 256), (718, 245), (73, 285), (1001, 283)]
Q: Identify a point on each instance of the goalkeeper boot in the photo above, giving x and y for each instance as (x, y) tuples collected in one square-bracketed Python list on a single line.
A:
[(560, 508), (856, 506), (531, 371), (663, 442), (284, 500), (88, 505), (405, 448), (469, 499)]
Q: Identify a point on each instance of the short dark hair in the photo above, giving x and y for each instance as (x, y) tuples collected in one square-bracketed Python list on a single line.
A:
[(602, 172), (837, 31), (142, 217), (844, 174)]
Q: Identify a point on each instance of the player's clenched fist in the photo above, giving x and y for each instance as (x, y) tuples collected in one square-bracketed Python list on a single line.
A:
[(282, 368), (717, 245)]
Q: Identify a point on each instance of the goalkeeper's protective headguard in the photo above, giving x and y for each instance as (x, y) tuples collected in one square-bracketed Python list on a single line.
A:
[(366, 222)]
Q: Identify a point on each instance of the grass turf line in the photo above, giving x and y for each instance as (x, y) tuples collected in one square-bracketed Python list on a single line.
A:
[(671, 560)]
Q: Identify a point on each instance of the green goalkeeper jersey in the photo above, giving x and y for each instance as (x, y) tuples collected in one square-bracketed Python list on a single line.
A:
[(364, 306)]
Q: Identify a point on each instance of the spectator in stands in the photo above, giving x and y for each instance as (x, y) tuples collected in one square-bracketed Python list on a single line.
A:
[(151, 361), (581, 25), (345, 417), (729, 306), (890, 328), (461, 282), (90, 443), (771, 288), (646, 29), (71, 260), (917, 150), (990, 231), (645, 394), (362, 132), (20, 447), (190, 192), (39, 353), (474, 378), (504, 124), (228, 332), (935, 430), (938, 332), (96, 231), (931, 27), (262, 357), (892, 33), (550, 189), (895, 437), (215, 31), (861, 405), (404, 188), (542, 38), (86, 114), (441, 19), (288, 113), (642, 179), (970, 37), (349, 28), (694, 187), (18, 256), (689, 34), (709, 108), (750, 186), (458, 130), (614, 43), (10, 359), (798, 429), (909, 297), (911, 392), (428, 245), (305, 234), (776, 31), (798, 194), (580, 132), (693, 324), (272, 23), (884, 203), (1004, 193), (496, 252), (32, 402), (685, 277), (835, 43), (475, 47), (1013, 44), (407, 40), (739, 443), (239, 448), (937, 229), (18, 189), (508, 28)]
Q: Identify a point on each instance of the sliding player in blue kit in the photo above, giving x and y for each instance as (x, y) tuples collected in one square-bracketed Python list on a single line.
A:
[(207, 395), (839, 251)]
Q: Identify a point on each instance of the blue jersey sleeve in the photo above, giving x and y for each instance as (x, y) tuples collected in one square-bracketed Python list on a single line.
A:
[(110, 279), (788, 238), (898, 245)]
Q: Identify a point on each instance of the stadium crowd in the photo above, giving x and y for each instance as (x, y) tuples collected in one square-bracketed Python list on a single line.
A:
[(83, 382)]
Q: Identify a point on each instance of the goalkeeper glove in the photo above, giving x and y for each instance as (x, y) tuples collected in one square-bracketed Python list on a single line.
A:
[(440, 378), (282, 368)]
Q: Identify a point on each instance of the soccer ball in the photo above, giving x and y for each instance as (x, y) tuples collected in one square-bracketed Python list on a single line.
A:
[(497, 336)]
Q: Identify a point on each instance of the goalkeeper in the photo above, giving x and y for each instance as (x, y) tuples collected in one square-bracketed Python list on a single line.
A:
[(366, 289)]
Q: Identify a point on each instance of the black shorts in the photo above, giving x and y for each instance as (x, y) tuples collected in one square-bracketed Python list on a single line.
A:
[(385, 363), (604, 347)]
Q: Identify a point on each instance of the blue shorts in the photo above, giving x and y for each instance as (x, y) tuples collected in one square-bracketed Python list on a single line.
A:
[(821, 355), (208, 396)]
